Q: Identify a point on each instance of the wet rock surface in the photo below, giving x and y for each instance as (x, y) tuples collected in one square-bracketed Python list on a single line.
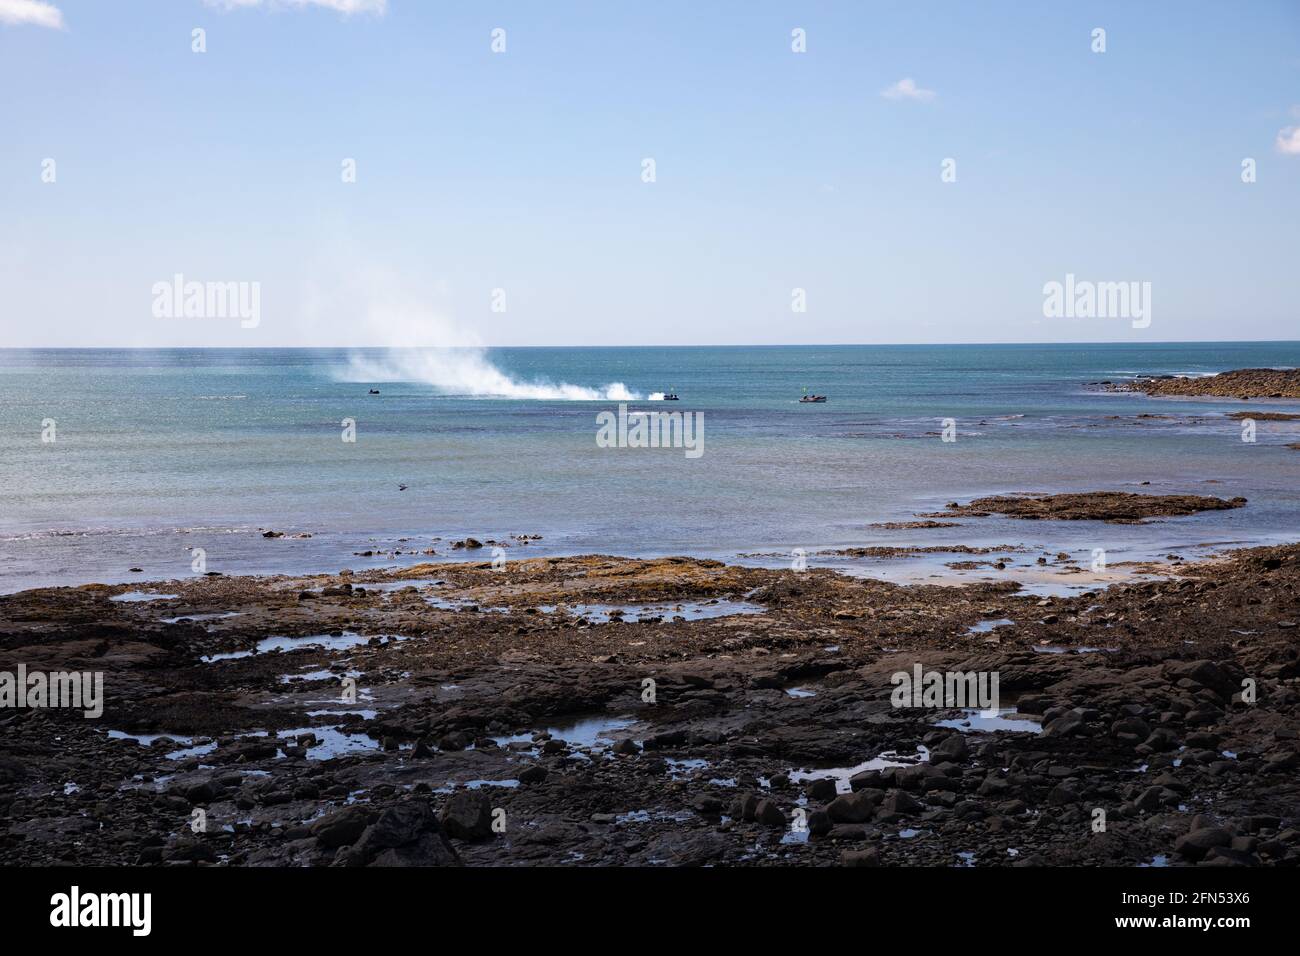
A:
[(1239, 383), (477, 722), (1117, 507)]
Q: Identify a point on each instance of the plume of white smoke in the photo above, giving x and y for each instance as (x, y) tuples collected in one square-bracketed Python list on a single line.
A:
[(421, 344), (468, 371)]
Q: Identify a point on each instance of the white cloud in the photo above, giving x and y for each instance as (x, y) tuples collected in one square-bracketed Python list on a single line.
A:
[(35, 12), (1288, 140), (906, 89), (345, 7)]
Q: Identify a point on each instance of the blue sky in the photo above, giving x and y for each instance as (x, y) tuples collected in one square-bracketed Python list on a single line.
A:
[(522, 170)]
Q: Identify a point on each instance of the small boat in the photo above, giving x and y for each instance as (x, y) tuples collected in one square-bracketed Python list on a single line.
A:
[(813, 399), (670, 397), (374, 391)]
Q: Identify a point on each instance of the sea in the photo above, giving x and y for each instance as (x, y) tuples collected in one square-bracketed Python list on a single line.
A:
[(119, 459)]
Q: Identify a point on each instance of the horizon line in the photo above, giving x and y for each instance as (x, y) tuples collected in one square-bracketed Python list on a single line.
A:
[(753, 345)]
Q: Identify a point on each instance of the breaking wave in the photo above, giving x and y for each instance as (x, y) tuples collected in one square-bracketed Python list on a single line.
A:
[(469, 372)]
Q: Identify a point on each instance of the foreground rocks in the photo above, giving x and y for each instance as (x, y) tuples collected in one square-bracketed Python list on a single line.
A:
[(491, 722)]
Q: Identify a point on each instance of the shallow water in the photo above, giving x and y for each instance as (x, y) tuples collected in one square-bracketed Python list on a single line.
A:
[(330, 642), (1006, 719), (258, 431), (632, 613), (332, 741), (593, 733), (388, 586), (199, 618), (146, 740), (1055, 649), (842, 775)]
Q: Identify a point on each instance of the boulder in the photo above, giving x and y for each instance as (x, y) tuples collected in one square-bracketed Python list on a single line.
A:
[(467, 815)]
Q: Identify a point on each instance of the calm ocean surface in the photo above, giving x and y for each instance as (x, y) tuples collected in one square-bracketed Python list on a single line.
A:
[(160, 451)]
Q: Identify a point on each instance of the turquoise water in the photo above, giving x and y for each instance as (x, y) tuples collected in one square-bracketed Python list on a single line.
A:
[(158, 451)]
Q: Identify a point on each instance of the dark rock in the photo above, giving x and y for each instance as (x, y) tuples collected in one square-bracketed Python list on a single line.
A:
[(851, 808), (867, 857), (339, 829), (993, 786), (901, 803), (822, 789), (769, 814), (819, 823), (707, 805), (672, 738), (952, 748), (467, 815), (1198, 843), (1063, 793), (1066, 725), (408, 826), (533, 773)]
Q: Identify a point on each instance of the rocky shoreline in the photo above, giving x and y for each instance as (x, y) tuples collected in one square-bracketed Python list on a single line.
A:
[(1113, 507), (1243, 383), (608, 711)]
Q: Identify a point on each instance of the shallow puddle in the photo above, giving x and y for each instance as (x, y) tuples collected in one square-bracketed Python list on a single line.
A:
[(461, 604), (592, 733), (363, 714), (388, 586), (632, 613), (133, 596), (330, 642), (224, 656), (331, 742), (645, 816), (196, 618), (842, 775), (317, 674), (1060, 649), (146, 740), (682, 768), (980, 721), (198, 750)]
